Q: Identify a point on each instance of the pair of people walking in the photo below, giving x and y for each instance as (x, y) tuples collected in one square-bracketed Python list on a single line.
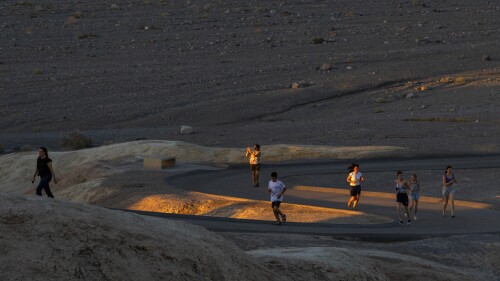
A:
[(402, 199)]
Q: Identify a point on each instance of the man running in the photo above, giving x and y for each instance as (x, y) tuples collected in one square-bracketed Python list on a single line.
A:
[(277, 189)]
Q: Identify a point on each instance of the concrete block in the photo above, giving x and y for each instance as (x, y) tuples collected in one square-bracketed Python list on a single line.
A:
[(158, 163)]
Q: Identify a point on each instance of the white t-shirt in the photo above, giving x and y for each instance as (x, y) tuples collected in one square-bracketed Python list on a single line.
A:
[(356, 177), (276, 187)]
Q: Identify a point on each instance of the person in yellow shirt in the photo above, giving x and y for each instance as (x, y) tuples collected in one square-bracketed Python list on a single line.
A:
[(254, 163)]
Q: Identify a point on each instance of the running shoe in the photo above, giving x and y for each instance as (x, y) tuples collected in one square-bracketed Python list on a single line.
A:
[(408, 223), (283, 218), (400, 222), (277, 223), (414, 218)]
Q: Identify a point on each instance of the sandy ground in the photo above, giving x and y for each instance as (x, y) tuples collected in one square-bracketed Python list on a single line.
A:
[(403, 77), (60, 240)]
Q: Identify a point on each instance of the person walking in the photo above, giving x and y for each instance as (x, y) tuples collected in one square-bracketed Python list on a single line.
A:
[(277, 189), (354, 179), (448, 191), (46, 172), (415, 195), (254, 163), (402, 197)]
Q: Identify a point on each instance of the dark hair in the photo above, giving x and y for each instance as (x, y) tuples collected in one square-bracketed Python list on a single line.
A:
[(399, 173), (447, 167), (274, 175), (257, 146), (44, 150), (351, 167)]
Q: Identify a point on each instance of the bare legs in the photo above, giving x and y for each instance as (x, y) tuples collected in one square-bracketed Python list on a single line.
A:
[(353, 201), (255, 178), (356, 200), (446, 199), (277, 213), (399, 207), (414, 204)]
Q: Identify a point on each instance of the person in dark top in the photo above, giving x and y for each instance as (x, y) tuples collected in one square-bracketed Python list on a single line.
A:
[(45, 171)]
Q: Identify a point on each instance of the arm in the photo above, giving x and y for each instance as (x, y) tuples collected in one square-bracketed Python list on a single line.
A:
[(34, 175), (349, 178), (282, 192), (52, 171), (362, 179)]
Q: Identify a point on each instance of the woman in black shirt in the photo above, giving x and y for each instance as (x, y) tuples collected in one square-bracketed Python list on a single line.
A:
[(45, 171)]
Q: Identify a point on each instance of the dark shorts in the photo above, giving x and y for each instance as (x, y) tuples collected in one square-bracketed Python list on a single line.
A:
[(275, 203), (402, 198), (254, 167), (355, 190)]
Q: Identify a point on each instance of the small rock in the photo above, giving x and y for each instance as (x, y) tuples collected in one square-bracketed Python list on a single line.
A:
[(423, 106), (422, 88), (446, 80), (185, 130), (326, 66), (318, 41), (301, 84), (486, 58), (410, 95), (349, 67)]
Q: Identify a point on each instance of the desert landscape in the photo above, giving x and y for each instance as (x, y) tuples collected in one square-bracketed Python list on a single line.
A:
[(308, 80)]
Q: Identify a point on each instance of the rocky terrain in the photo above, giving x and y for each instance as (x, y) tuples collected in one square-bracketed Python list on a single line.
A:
[(410, 73)]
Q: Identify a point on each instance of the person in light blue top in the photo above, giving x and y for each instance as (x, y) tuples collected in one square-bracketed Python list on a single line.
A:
[(448, 180), (415, 195)]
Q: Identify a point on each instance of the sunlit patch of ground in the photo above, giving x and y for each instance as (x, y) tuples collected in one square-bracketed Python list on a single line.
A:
[(194, 203)]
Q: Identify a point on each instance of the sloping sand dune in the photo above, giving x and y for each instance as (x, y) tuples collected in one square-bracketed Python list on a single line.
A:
[(55, 240)]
